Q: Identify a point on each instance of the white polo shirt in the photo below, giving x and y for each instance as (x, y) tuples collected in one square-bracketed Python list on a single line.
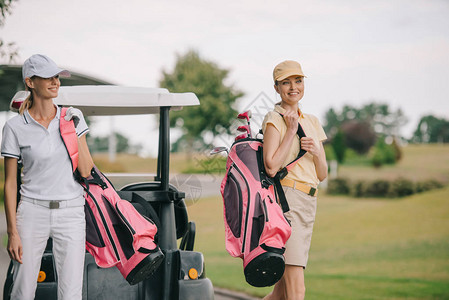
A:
[(47, 170)]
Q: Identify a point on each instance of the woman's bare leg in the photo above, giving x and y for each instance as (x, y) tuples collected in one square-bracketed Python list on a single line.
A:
[(278, 292), (294, 282)]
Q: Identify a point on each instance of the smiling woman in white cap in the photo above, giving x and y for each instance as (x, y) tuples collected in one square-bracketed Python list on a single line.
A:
[(51, 201), (281, 146)]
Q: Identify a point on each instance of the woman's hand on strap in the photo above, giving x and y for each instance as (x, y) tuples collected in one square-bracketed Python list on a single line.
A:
[(310, 145), (291, 119), (319, 156)]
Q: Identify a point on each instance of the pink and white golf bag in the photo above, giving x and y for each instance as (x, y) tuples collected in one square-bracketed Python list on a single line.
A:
[(256, 229), (116, 233), (253, 207)]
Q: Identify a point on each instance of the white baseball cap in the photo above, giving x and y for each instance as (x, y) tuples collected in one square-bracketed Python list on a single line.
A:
[(42, 66)]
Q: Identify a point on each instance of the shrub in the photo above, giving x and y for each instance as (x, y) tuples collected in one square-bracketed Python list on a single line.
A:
[(380, 188), (397, 150), (338, 186), (428, 185), (383, 154), (352, 158), (339, 146), (401, 187), (389, 155), (378, 159), (359, 189), (377, 188), (329, 152)]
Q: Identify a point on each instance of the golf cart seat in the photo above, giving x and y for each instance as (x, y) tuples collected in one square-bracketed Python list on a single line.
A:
[(149, 192)]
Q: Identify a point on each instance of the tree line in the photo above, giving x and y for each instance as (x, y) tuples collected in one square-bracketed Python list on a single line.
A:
[(356, 128)]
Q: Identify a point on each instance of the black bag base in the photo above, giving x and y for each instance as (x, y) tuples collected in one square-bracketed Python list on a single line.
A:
[(146, 267), (265, 270)]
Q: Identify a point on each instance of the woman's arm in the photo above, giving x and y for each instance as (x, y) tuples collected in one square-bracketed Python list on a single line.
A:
[(14, 243), (319, 156), (85, 161), (274, 154)]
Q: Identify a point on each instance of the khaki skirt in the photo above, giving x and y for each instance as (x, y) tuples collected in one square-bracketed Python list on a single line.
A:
[(302, 217)]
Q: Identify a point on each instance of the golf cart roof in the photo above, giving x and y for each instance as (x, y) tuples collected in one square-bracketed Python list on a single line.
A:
[(120, 100)]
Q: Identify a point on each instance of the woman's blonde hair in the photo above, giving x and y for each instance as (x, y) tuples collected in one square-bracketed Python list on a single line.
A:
[(28, 102)]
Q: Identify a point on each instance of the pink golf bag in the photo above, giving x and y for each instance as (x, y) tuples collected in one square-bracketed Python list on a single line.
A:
[(116, 233), (253, 204), (256, 229)]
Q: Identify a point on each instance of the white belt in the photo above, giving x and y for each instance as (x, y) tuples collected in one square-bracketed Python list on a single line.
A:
[(55, 204)]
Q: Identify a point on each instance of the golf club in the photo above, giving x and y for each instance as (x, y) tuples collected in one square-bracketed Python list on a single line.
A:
[(245, 128), (245, 115), (217, 150), (241, 136)]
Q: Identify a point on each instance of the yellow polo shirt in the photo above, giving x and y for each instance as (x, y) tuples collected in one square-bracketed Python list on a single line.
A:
[(304, 170)]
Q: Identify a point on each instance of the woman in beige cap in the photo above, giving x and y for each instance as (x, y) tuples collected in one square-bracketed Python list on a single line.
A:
[(51, 201), (281, 146)]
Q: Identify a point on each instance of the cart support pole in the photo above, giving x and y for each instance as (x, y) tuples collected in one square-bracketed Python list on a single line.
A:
[(164, 138), (159, 154), (167, 234), (168, 230)]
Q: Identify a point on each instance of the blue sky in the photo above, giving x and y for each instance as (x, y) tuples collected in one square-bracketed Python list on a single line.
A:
[(353, 52)]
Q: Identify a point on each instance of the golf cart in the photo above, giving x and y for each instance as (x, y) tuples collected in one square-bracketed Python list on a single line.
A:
[(181, 275)]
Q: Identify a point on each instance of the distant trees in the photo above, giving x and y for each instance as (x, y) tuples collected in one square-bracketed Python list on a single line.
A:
[(5, 8), (362, 126), (431, 129), (9, 50), (359, 135), (215, 114), (378, 115), (339, 146), (101, 144)]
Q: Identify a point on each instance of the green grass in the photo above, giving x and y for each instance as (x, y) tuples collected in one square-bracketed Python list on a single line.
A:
[(361, 249), (419, 162), (179, 163)]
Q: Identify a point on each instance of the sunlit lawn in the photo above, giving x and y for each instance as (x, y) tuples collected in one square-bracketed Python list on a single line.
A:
[(361, 249), (419, 162)]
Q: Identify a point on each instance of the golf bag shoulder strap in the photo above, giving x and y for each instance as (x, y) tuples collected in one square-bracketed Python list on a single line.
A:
[(284, 171), (69, 137)]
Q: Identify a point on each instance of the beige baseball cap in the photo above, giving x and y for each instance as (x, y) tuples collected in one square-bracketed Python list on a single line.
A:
[(286, 69)]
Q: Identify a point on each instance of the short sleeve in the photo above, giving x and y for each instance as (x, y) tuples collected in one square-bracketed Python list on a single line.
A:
[(10, 144), (274, 119), (81, 128), (320, 131)]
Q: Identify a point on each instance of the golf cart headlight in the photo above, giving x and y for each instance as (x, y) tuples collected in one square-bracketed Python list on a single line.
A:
[(193, 274)]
